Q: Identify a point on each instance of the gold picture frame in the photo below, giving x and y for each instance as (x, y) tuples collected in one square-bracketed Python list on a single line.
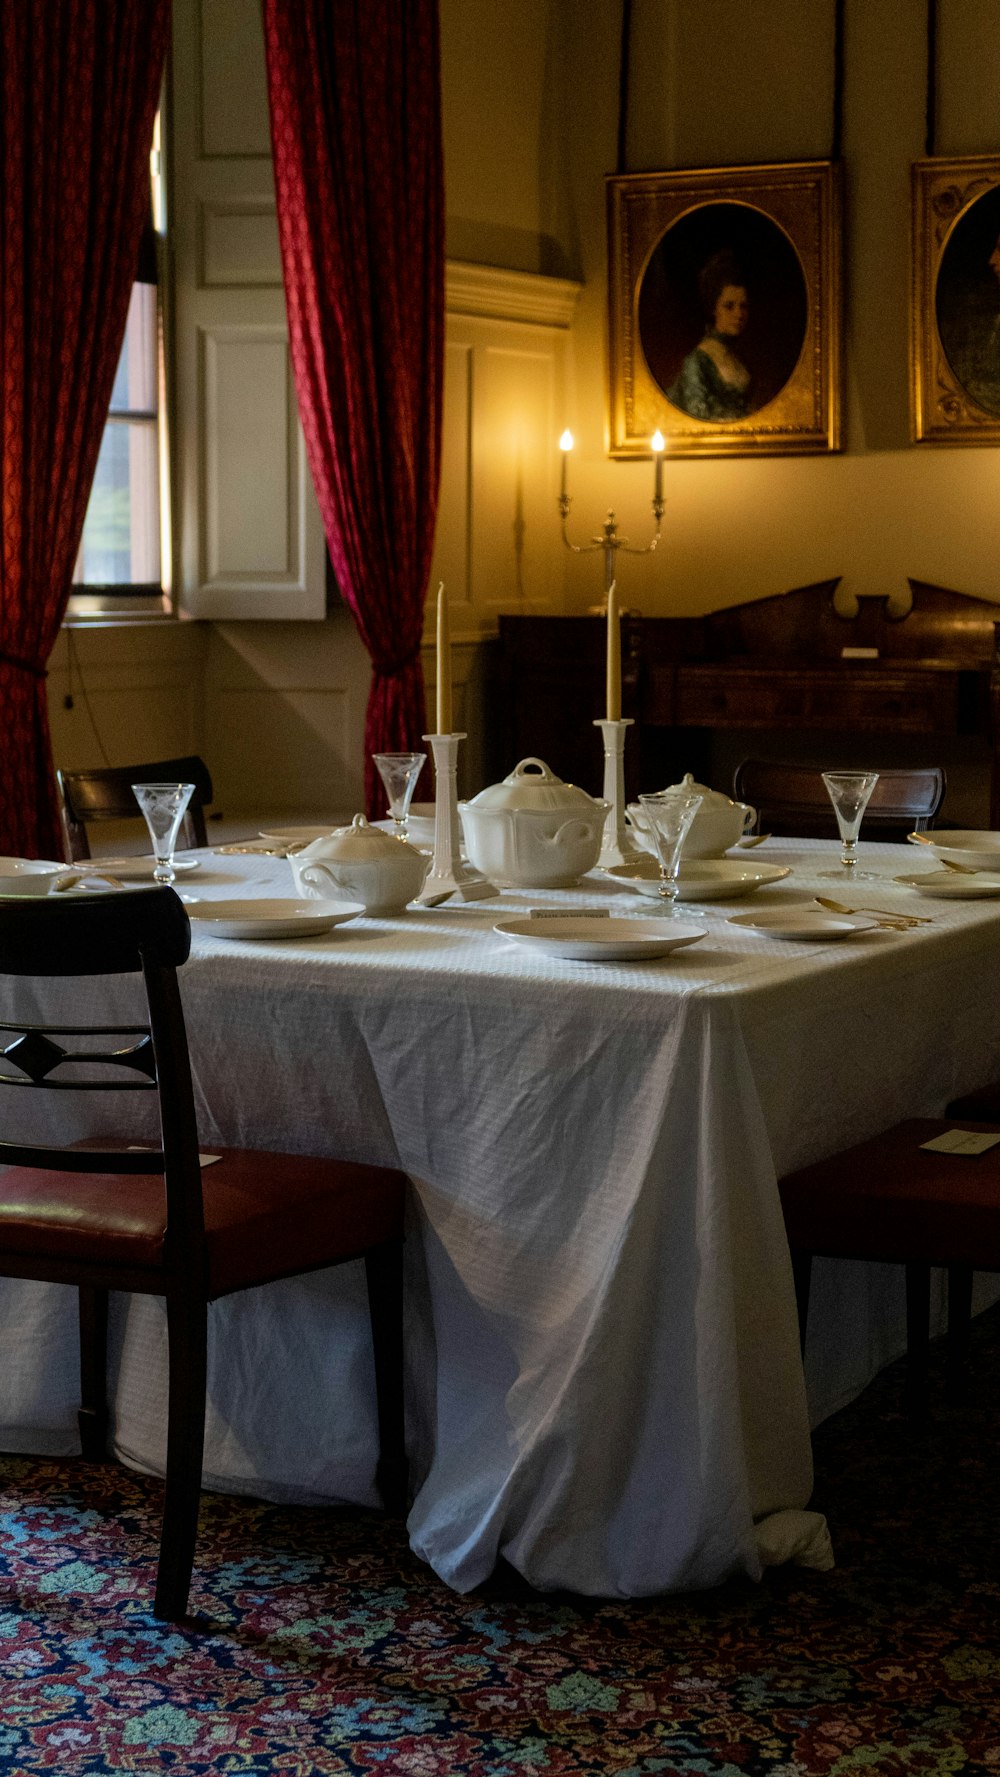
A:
[(955, 301), (675, 322)]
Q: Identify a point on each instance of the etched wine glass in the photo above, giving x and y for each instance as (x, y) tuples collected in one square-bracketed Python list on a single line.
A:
[(164, 806), (399, 773), (669, 813), (850, 792)]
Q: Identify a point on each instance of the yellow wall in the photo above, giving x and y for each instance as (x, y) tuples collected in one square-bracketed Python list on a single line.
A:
[(531, 124)]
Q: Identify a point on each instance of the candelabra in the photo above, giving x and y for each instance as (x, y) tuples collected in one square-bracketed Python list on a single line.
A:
[(609, 541)]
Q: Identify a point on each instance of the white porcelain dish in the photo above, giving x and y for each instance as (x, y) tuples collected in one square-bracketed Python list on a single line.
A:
[(976, 849), (269, 919), (28, 876), (532, 831), (802, 925), (718, 824), (298, 835), (950, 885), (133, 869), (419, 829), (701, 879), (580, 939)]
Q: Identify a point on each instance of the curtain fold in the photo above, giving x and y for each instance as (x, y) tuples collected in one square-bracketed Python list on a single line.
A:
[(356, 128), (79, 85)]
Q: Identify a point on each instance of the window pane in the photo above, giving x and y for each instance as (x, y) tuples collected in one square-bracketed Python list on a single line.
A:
[(135, 379), (121, 536)]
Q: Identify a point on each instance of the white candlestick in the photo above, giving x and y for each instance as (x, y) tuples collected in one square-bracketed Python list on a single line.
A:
[(614, 663), (444, 715)]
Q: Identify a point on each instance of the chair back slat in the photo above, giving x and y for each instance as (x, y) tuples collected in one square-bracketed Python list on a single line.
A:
[(147, 932), (792, 799), (105, 794)]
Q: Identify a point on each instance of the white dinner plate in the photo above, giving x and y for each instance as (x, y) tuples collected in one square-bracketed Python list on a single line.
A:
[(419, 829), (269, 919), (133, 869), (978, 849), (702, 879), (802, 925), (580, 939), (951, 885), (300, 835)]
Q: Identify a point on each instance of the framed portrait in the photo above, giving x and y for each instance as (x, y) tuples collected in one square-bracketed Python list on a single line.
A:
[(724, 310), (955, 305)]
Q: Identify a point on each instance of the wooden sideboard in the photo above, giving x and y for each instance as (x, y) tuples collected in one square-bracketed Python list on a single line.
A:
[(791, 665)]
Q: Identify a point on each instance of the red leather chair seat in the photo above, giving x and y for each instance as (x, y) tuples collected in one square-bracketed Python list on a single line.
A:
[(266, 1215), (889, 1199)]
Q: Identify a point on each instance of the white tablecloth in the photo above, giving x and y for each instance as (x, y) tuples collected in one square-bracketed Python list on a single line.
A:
[(604, 1377)]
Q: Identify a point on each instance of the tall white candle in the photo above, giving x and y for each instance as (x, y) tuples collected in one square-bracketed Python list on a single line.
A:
[(565, 445), (614, 694), (444, 717), (658, 444)]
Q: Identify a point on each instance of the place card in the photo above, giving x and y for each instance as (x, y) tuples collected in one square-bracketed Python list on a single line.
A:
[(961, 1141), (565, 912)]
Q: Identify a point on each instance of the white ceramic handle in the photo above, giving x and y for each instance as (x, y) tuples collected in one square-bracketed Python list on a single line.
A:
[(572, 830), (749, 816), (314, 875), (543, 774)]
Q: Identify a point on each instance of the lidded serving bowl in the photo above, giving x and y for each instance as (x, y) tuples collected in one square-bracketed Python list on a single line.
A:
[(533, 830), (362, 864), (719, 823)]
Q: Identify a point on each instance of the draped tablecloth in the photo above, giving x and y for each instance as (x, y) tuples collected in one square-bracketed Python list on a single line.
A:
[(604, 1379)]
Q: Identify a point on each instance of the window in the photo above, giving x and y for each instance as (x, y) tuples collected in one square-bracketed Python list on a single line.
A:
[(123, 562)]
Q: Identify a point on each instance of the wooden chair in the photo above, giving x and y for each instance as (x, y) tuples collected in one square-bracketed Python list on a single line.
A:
[(793, 799), (890, 1200), (105, 794), (153, 1221)]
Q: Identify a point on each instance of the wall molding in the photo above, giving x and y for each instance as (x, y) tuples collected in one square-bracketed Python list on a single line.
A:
[(500, 295)]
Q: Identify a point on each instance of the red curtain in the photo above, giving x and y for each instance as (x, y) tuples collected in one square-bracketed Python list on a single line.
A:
[(79, 84), (356, 127)]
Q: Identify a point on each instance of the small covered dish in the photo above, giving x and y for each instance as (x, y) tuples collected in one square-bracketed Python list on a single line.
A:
[(719, 823), (533, 831), (362, 864)]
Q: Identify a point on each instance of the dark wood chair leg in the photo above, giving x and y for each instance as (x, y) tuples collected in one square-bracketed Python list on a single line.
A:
[(959, 1329), (92, 1416), (384, 1276), (918, 1316), (802, 1278), (187, 1333)]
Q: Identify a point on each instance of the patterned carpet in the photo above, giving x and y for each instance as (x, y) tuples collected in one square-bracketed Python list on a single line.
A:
[(329, 1649)]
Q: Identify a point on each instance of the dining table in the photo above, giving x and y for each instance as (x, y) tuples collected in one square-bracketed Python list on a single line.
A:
[(604, 1383)]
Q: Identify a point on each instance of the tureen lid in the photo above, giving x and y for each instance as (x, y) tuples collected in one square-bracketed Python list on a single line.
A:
[(532, 785), (709, 798), (358, 843)]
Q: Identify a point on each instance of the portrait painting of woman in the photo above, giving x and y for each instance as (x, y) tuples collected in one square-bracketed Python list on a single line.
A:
[(724, 307), (967, 301), (714, 382), (722, 312)]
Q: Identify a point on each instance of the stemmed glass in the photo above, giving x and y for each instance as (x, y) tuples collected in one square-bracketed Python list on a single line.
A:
[(669, 813), (850, 793), (164, 806), (399, 773)]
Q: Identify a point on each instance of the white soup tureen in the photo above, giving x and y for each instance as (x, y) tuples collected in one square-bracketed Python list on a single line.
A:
[(363, 864), (719, 823), (533, 831)]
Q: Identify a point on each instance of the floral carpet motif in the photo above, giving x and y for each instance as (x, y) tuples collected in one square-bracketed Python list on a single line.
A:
[(325, 1647)]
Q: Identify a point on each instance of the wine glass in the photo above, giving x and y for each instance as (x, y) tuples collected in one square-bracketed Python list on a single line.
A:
[(669, 813), (399, 773), (850, 793), (164, 806)]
